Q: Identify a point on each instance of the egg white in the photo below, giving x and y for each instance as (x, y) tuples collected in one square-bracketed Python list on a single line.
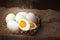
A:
[(22, 13)]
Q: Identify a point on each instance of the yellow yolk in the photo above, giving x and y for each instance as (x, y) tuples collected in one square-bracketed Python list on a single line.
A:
[(32, 25), (22, 24)]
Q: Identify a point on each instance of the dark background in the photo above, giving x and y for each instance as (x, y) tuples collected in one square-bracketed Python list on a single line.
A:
[(35, 4)]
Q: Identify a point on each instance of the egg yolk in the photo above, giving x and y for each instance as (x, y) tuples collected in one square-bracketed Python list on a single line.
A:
[(22, 24), (32, 25)]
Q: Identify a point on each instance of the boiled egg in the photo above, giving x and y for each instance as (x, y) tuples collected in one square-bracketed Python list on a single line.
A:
[(32, 26), (24, 25), (10, 16), (20, 15), (31, 17), (12, 26)]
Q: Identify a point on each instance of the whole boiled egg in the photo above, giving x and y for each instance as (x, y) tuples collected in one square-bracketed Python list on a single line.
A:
[(24, 25), (31, 17), (12, 26), (20, 15), (10, 16)]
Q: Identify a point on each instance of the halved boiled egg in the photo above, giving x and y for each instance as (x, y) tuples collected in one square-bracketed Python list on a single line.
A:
[(20, 15), (32, 26), (24, 25)]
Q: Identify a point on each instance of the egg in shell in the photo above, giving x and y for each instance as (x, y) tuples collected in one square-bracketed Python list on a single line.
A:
[(24, 25), (12, 26), (20, 15), (31, 17), (10, 16)]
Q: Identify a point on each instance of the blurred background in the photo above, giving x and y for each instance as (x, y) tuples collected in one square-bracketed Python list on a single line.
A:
[(34, 4)]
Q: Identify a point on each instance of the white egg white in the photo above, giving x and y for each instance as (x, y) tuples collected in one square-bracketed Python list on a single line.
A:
[(27, 25), (31, 17), (9, 17), (12, 26)]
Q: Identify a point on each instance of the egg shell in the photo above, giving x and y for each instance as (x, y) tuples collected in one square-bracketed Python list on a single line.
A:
[(9, 17), (22, 13), (31, 17), (12, 26), (19, 16)]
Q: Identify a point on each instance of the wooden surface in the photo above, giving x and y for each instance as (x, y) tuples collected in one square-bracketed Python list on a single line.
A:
[(50, 24)]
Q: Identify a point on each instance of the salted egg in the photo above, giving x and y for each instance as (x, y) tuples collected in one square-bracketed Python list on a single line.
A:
[(32, 26), (12, 26), (10, 16), (24, 25), (20, 15), (31, 17)]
